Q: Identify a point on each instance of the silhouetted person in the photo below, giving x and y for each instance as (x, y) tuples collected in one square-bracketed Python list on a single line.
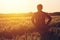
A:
[(38, 20)]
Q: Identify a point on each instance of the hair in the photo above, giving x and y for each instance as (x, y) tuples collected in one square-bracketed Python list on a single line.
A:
[(40, 5)]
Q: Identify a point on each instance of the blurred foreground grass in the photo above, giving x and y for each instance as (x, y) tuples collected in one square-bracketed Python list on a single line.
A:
[(15, 26)]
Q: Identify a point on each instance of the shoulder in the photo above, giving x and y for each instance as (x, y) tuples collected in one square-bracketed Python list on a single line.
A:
[(35, 13), (45, 13)]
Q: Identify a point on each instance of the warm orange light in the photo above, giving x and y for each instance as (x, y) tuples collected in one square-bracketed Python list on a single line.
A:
[(18, 6)]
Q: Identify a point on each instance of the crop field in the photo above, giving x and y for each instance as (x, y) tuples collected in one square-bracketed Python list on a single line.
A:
[(18, 27)]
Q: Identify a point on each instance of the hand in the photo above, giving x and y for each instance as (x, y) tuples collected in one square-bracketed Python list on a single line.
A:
[(48, 23)]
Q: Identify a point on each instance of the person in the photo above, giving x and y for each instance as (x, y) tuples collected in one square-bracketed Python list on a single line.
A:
[(38, 19)]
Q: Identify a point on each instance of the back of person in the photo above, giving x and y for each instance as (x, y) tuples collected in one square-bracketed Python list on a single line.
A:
[(40, 18), (40, 21)]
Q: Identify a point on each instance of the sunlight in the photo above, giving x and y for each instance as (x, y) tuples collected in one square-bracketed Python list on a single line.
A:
[(15, 21), (24, 6), (16, 6)]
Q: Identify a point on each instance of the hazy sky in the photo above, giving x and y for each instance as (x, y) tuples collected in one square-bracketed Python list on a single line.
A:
[(17, 6)]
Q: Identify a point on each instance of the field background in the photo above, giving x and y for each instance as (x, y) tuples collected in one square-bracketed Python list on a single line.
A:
[(12, 26)]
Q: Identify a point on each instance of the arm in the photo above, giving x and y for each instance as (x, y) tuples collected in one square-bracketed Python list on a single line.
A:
[(32, 19), (49, 19)]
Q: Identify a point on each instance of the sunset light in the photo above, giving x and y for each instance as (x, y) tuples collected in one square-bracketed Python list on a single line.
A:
[(18, 6), (29, 19)]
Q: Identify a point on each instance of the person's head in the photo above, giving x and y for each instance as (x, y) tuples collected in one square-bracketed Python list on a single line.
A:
[(39, 7)]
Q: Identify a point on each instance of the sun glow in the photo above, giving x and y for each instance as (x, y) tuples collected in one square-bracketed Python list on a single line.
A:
[(18, 6), (15, 21), (15, 6)]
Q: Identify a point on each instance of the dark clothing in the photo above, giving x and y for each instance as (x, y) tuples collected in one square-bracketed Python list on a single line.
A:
[(38, 20)]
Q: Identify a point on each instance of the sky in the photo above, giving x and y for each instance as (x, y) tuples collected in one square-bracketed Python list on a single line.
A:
[(18, 6)]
